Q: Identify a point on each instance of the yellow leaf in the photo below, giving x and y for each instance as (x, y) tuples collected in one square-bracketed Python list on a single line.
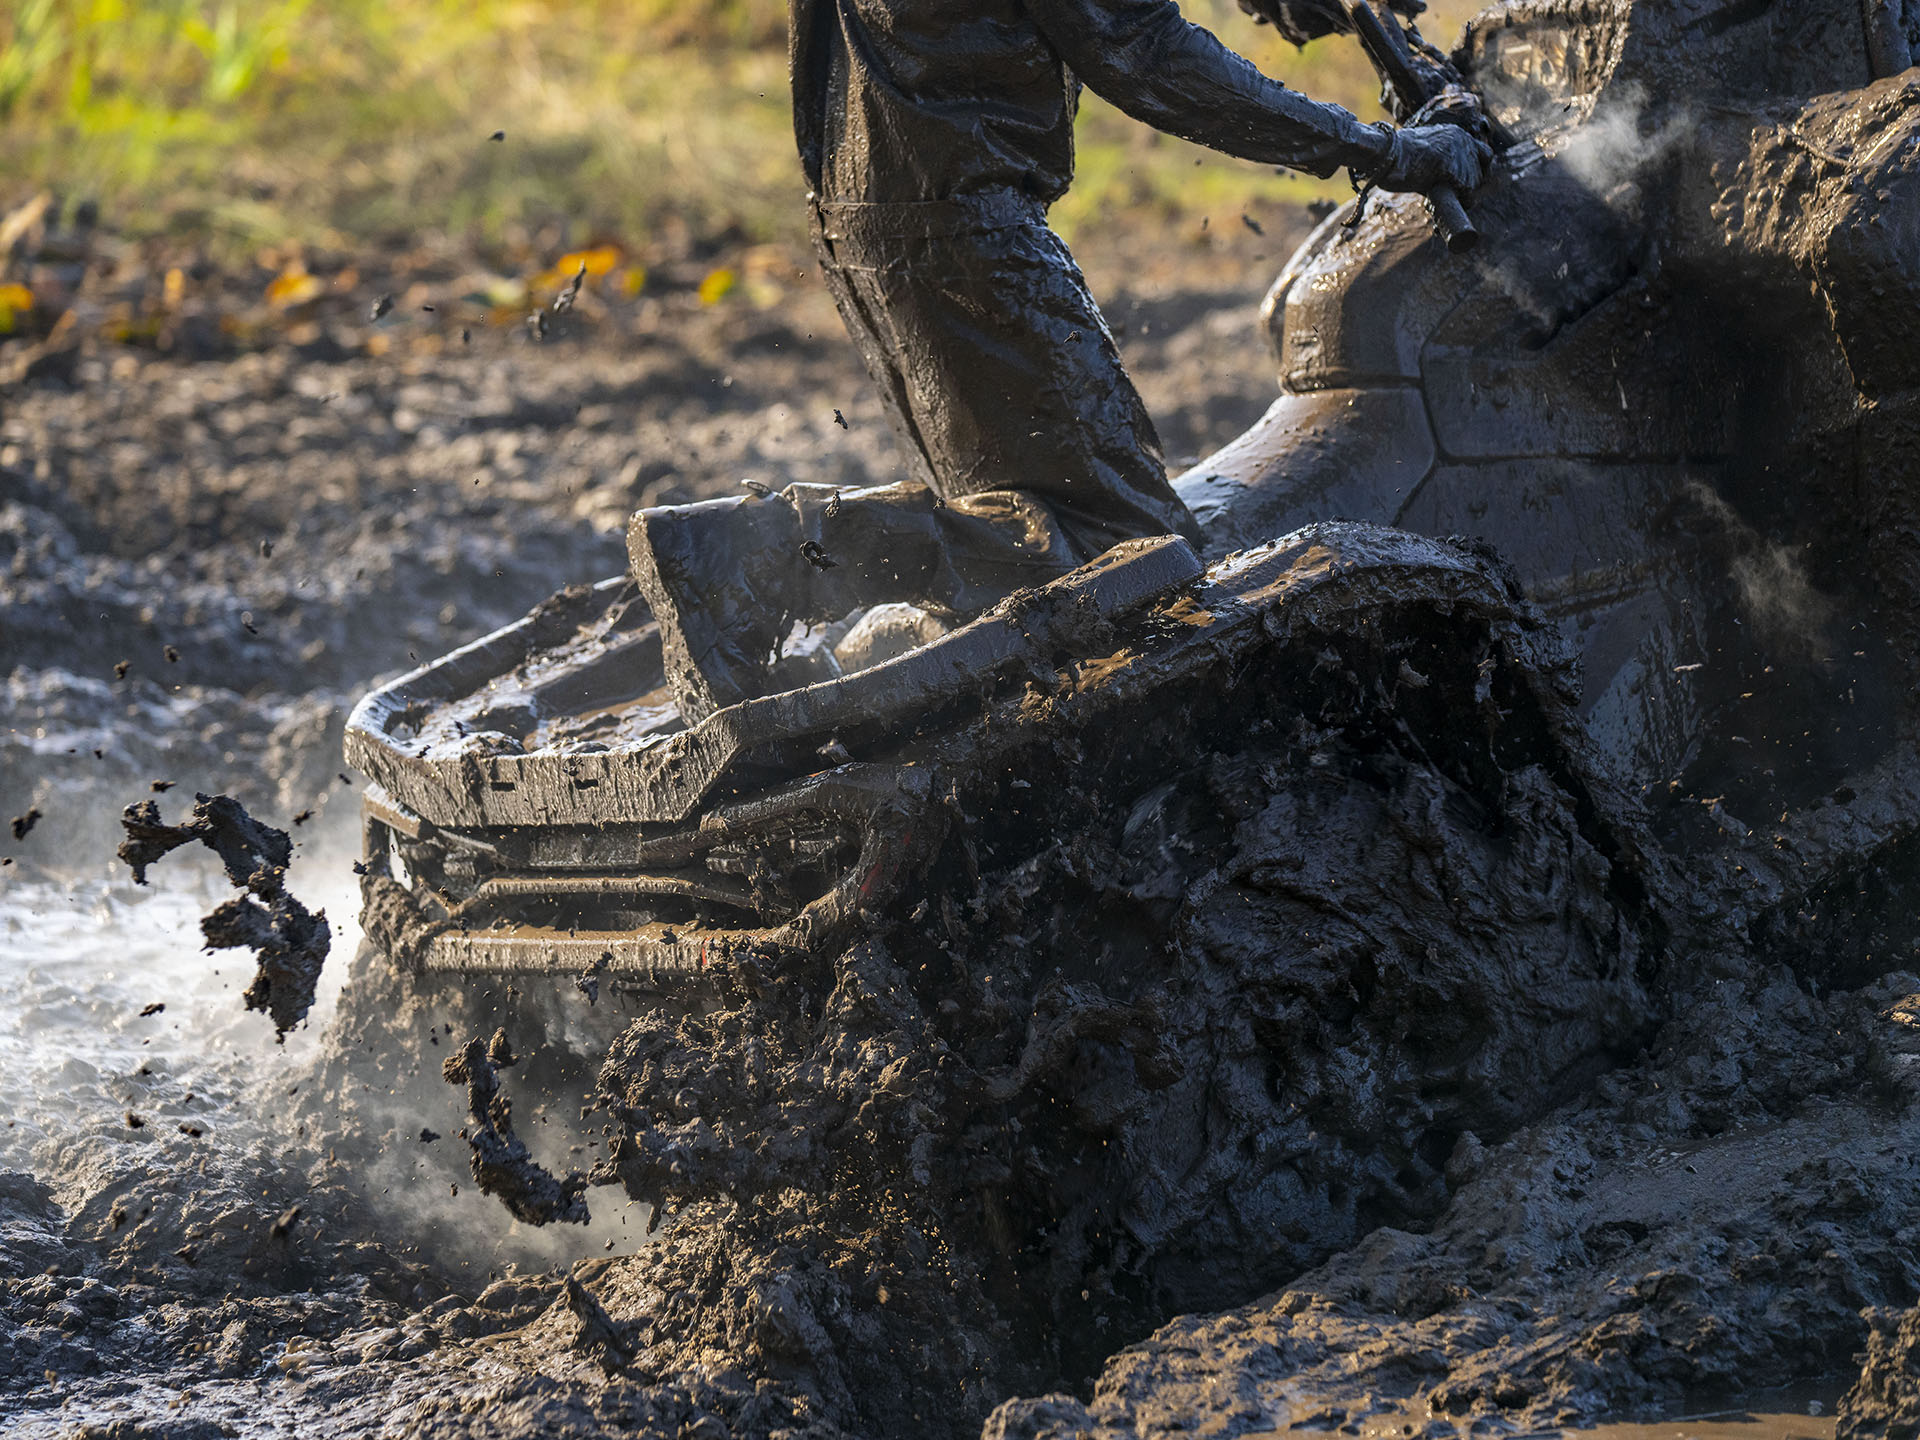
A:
[(13, 297), (716, 286), (174, 286), (632, 280), (293, 286), (598, 261)]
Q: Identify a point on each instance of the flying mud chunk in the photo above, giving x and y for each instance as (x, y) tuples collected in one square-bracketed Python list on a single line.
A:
[(289, 941), (502, 1165)]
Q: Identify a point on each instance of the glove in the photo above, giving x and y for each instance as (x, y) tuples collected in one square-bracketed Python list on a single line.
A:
[(1304, 20), (1300, 20), (1424, 157)]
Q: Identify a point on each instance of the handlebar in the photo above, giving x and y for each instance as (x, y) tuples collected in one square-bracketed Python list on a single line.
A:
[(1395, 69)]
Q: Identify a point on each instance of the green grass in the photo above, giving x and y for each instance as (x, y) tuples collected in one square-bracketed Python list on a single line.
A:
[(245, 123)]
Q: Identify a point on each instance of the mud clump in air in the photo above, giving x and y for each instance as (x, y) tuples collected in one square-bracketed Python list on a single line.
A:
[(289, 941), (502, 1165)]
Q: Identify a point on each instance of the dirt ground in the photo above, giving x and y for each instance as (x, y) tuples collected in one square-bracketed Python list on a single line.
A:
[(275, 511)]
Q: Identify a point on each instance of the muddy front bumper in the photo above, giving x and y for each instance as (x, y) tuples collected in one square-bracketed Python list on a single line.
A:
[(645, 905), (538, 806)]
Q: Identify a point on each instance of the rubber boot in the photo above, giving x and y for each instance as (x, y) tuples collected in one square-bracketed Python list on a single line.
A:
[(904, 544), (726, 579)]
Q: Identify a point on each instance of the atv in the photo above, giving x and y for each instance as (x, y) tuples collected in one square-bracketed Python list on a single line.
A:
[(1658, 401)]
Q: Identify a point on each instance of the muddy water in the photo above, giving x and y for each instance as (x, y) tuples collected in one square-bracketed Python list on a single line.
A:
[(89, 956), (158, 1136), (1813, 1421), (1748, 1424)]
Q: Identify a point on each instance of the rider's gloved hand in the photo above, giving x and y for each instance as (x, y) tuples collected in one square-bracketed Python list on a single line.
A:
[(1423, 157), (1304, 20)]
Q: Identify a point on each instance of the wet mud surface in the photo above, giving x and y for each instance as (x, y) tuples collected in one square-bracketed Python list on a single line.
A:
[(1338, 1048), (1711, 1221), (1885, 1400)]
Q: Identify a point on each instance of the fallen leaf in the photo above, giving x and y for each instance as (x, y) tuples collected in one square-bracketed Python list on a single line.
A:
[(293, 286), (13, 297)]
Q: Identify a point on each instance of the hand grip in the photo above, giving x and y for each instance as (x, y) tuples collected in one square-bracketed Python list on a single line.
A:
[(1451, 220)]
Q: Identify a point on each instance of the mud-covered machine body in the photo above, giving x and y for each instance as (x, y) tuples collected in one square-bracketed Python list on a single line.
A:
[(1660, 390), (532, 812)]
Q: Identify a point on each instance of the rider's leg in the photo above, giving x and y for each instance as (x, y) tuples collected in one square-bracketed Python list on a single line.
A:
[(995, 365), (1007, 391)]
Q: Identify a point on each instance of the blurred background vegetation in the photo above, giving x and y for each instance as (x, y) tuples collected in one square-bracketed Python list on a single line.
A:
[(238, 124)]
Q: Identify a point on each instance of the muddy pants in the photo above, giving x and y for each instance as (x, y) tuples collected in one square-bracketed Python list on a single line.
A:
[(1004, 383)]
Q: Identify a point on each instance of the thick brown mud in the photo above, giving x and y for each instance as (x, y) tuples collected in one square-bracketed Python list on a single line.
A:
[(1337, 1051), (1885, 1400)]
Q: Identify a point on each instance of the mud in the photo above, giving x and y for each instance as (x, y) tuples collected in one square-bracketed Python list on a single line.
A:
[(1712, 1221), (1075, 1064), (502, 1165), (1281, 1006), (289, 941), (1340, 1053), (1884, 1403)]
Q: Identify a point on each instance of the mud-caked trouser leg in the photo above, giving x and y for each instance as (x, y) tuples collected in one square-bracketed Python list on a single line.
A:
[(998, 371), (1004, 383)]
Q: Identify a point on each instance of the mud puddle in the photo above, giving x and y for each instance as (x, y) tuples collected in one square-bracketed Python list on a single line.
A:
[(1801, 1412), (181, 1213), (90, 960), (1756, 1424), (119, 1028)]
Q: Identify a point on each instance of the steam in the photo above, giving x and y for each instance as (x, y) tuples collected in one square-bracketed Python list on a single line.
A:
[(388, 1124), (1621, 142), (1775, 595), (1610, 154)]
